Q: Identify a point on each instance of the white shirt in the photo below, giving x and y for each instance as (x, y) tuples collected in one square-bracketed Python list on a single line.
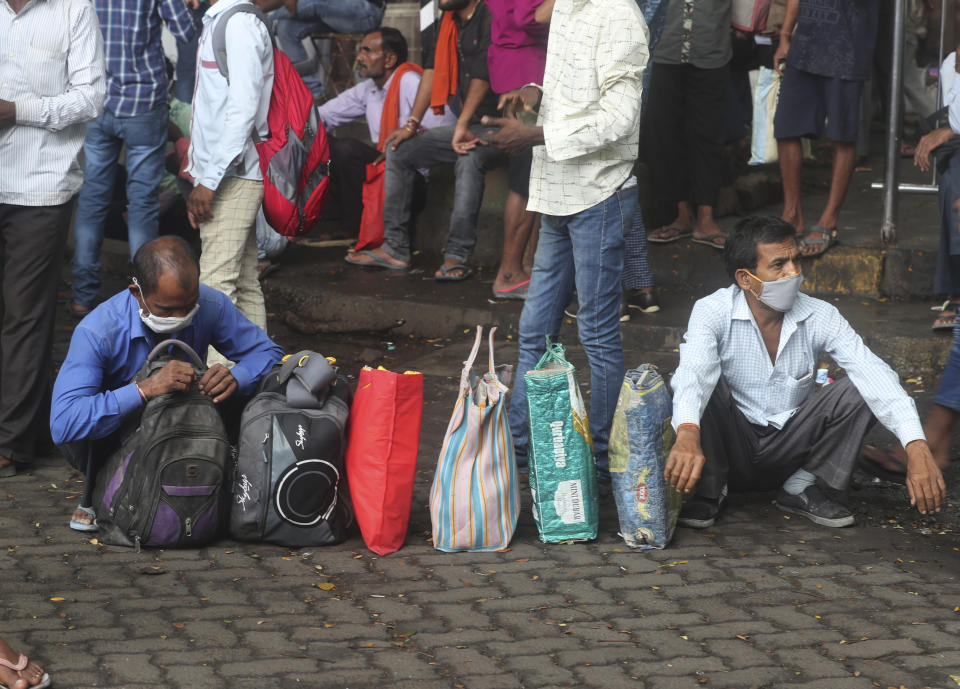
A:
[(590, 113), (51, 68), (723, 337), (366, 100), (225, 114), (949, 94)]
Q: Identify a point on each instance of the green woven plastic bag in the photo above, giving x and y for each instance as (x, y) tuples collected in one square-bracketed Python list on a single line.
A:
[(563, 476)]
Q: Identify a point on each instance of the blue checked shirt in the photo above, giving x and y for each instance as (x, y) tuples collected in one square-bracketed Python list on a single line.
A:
[(722, 337), (136, 72)]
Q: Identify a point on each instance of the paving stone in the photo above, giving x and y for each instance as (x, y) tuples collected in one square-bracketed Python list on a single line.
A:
[(194, 677), (806, 637), (537, 670), (748, 676), (404, 663), (873, 648), (502, 681), (266, 667), (738, 653), (466, 661), (131, 667), (604, 677)]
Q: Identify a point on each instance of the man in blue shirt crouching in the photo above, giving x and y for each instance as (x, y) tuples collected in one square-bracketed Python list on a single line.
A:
[(94, 394)]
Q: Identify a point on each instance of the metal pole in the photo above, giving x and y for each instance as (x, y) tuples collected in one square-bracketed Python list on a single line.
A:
[(940, 56), (888, 226)]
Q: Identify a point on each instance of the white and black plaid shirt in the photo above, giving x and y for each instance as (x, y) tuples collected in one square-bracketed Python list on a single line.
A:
[(723, 338)]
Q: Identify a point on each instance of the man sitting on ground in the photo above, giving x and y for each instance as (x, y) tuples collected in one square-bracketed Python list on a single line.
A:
[(455, 72), (381, 56), (94, 395), (744, 406)]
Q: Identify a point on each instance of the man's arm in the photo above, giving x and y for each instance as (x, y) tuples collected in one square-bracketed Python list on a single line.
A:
[(616, 114), (86, 89), (880, 388), (250, 48), (419, 109), (80, 407), (179, 19), (693, 384), (346, 107), (786, 33), (463, 139)]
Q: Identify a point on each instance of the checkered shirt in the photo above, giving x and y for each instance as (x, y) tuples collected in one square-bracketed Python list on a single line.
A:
[(722, 337), (136, 72)]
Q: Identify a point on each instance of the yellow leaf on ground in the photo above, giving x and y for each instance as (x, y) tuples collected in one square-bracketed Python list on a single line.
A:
[(57, 599), (325, 586)]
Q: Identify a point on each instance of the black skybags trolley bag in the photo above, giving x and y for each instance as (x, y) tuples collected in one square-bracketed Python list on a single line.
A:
[(289, 482), (165, 485)]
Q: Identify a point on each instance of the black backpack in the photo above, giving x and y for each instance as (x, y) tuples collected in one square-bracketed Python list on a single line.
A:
[(289, 481), (164, 485)]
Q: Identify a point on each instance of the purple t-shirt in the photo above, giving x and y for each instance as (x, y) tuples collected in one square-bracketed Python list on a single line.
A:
[(518, 45)]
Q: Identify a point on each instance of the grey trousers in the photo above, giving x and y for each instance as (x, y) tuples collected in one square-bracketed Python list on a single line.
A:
[(823, 437), (32, 240), (429, 149)]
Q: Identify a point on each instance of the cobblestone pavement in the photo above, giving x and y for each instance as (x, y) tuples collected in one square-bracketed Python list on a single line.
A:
[(760, 600)]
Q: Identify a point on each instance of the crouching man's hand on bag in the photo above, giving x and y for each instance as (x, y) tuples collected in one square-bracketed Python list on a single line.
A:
[(218, 382), (176, 376)]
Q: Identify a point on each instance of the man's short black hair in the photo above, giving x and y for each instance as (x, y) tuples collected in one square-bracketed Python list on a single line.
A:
[(741, 247), (392, 41), (168, 252)]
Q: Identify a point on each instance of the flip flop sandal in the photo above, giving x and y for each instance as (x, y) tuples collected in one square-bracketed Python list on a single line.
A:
[(82, 526), (945, 321), (19, 667), (446, 277), (518, 291), (875, 468), (827, 239), (676, 232), (377, 262), (710, 240)]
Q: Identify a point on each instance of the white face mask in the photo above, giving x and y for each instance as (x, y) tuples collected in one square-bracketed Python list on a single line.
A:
[(781, 294), (163, 325)]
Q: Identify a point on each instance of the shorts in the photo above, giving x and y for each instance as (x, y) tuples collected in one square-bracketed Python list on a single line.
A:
[(518, 172), (948, 394), (806, 100)]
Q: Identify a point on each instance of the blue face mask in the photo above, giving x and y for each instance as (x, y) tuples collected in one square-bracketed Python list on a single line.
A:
[(163, 325), (779, 295)]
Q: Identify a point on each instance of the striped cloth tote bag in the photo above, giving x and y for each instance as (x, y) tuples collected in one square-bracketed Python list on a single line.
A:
[(475, 498)]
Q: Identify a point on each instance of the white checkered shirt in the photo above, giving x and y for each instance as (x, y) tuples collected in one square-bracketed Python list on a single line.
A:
[(722, 337), (590, 114)]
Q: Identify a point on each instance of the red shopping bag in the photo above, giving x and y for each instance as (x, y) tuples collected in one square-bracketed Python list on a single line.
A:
[(382, 454), (371, 222)]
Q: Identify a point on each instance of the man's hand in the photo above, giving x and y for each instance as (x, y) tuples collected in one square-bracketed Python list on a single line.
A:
[(397, 137), (512, 136), (200, 205), (464, 140), (218, 383), (780, 57), (526, 99), (686, 460), (938, 137), (8, 113), (193, 4), (924, 479), (176, 376)]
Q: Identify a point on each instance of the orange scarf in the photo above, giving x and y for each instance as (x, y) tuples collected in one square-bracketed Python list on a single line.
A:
[(445, 64), (390, 116)]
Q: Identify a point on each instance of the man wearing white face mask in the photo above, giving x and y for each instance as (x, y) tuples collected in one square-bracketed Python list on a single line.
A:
[(745, 410), (94, 394)]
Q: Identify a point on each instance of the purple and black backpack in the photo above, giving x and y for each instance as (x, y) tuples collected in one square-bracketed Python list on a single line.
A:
[(165, 485)]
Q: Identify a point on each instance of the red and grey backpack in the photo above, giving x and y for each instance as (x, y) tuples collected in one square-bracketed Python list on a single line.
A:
[(295, 158)]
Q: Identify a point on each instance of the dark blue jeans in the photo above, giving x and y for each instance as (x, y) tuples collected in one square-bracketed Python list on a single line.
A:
[(145, 139), (583, 250)]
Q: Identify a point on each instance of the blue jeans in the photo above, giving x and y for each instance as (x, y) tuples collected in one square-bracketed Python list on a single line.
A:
[(186, 70), (323, 16), (583, 250), (145, 139)]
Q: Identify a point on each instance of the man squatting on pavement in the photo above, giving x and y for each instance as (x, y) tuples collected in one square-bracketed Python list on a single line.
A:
[(744, 407)]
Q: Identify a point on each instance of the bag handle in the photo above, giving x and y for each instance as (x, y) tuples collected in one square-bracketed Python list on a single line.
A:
[(468, 364), (183, 346), (493, 370)]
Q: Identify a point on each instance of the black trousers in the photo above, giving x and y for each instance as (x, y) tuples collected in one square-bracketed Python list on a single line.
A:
[(824, 437), (32, 240), (683, 131)]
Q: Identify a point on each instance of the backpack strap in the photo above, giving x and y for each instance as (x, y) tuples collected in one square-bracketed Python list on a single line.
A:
[(220, 33), (183, 346)]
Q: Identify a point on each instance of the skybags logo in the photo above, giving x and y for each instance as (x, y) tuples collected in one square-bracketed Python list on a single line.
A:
[(301, 437)]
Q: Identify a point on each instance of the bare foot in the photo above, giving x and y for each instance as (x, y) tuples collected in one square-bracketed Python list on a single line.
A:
[(30, 676), (507, 281), (707, 229), (82, 517), (796, 221)]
